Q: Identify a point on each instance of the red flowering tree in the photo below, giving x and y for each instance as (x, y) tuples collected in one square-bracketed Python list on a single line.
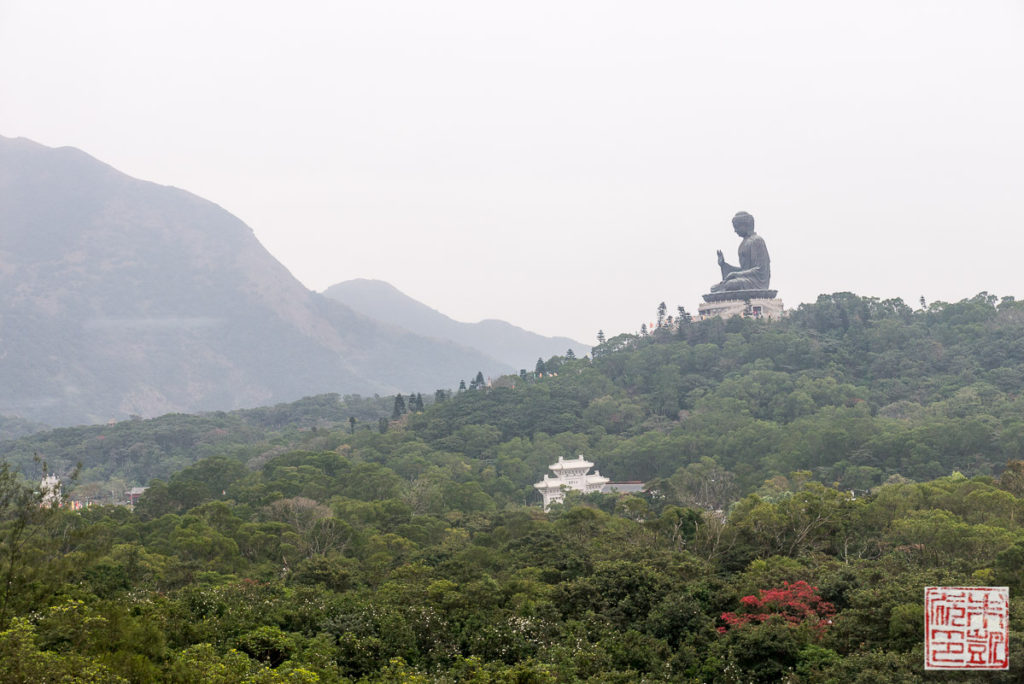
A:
[(797, 604)]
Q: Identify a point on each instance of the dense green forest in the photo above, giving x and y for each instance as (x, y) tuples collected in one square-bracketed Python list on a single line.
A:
[(827, 467)]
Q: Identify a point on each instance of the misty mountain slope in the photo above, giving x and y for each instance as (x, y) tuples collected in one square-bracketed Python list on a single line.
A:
[(120, 296), (515, 346)]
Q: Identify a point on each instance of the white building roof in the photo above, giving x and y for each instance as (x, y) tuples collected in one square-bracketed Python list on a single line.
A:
[(571, 464)]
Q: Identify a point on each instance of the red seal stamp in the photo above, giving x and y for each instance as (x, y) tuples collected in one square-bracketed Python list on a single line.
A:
[(966, 628)]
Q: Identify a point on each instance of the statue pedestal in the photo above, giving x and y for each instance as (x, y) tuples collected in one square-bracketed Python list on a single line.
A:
[(728, 304), (726, 295)]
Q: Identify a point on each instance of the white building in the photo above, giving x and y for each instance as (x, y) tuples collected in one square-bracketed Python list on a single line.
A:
[(571, 475), (50, 490)]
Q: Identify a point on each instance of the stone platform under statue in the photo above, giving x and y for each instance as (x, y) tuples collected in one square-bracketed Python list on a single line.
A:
[(746, 303)]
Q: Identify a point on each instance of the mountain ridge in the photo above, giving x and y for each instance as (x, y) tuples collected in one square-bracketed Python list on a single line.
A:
[(121, 296), (509, 343)]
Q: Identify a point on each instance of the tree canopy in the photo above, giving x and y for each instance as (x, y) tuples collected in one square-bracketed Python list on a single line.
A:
[(805, 480)]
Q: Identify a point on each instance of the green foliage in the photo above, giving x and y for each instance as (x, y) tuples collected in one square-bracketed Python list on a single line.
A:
[(23, 662), (114, 458), (860, 447)]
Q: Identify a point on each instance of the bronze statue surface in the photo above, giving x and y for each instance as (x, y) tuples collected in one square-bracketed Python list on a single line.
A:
[(750, 279)]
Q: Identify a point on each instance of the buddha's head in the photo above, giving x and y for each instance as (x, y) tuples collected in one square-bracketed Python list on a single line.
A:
[(743, 223)]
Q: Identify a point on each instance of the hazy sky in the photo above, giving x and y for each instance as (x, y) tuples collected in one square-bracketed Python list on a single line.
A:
[(564, 166)]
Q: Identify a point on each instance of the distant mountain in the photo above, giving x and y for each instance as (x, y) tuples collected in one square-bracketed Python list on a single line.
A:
[(512, 345), (120, 296)]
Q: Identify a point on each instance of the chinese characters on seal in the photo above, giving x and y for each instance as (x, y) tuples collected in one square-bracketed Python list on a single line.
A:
[(966, 628)]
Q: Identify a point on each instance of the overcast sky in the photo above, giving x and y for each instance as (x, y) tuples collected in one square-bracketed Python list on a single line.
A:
[(564, 166)]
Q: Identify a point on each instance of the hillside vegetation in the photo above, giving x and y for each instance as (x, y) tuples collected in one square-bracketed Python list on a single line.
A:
[(855, 391), (826, 467)]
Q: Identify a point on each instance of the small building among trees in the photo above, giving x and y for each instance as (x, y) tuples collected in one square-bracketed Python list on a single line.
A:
[(133, 494), (49, 490), (569, 475)]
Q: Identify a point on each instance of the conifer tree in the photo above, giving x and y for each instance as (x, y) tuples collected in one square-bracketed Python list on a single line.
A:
[(683, 317), (570, 355), (600, 336), (399, 409)]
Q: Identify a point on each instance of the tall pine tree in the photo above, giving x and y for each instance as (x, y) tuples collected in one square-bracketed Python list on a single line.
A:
[(399, 409)]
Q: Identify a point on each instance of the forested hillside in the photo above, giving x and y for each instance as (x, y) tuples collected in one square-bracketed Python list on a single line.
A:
[(853, 390), (807, 478)]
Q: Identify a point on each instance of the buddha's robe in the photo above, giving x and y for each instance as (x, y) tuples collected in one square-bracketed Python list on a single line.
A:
[(754, 271)]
